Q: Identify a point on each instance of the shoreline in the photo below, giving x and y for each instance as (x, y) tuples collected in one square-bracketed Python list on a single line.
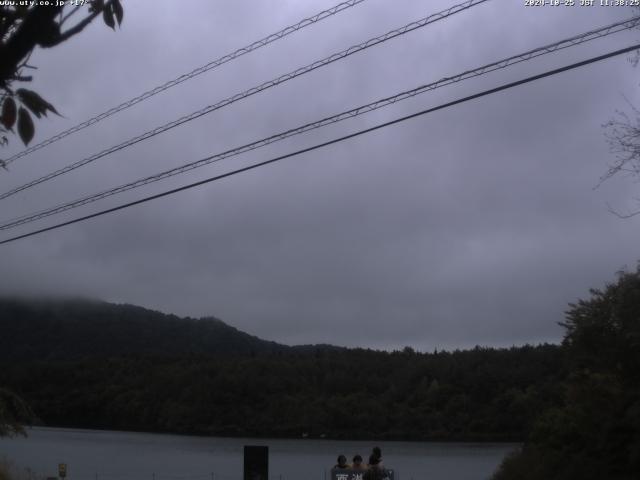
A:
[(466, 442)]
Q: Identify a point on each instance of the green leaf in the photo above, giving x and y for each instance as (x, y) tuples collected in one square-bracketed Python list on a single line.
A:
[(25, 126), (8, 113), (117, 10), (35, 102), (107, 16)]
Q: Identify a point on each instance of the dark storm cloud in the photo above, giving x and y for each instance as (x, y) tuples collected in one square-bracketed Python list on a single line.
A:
[(474, 225)]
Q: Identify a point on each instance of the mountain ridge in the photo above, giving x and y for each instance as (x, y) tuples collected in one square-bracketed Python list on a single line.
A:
[(100, 365), (72, 328)]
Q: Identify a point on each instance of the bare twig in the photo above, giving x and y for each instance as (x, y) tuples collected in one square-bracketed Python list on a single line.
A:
[(623, 216)]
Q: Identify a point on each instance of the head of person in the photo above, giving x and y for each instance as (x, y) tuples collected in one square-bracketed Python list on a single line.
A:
[(357, 461), (377, 452), (342, 461)]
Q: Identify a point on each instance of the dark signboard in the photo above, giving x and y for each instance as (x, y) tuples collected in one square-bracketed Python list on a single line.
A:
[(351, 474), (256, 463)]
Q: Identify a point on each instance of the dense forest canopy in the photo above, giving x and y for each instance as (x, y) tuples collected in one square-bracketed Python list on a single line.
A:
[(99, 365)]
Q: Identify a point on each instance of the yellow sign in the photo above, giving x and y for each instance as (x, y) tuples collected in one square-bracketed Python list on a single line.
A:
[(62, 470)]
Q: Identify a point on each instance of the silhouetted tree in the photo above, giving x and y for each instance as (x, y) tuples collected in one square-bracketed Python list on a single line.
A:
[(595, 434)]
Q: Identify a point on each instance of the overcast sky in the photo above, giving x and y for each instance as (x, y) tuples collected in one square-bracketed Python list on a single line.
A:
[(474, 225)]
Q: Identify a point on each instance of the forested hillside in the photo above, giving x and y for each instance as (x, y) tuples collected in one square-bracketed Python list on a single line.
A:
[(99, 365), (75, 329)]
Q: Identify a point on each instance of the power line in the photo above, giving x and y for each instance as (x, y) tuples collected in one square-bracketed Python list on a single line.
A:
[(546, 49), (331, 142), (188, 76), (252, 91)]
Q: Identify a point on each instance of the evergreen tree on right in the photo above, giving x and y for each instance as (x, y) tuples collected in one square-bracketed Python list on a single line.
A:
[(595, 433)]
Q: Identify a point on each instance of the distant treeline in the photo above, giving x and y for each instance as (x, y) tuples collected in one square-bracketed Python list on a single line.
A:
[(480, 394), (99, 365)]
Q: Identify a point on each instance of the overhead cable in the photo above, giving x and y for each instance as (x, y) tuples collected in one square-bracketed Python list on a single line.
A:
[(188, 76), (330, 142), (354, 112), (252, 91)]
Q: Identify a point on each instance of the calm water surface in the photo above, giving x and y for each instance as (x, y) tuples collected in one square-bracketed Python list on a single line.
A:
[(106, 455)]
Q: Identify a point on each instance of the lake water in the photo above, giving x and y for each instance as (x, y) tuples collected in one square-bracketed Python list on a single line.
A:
[(106, 455)]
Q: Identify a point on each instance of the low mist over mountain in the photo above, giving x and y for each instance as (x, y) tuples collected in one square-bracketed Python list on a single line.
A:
[(73, 329)]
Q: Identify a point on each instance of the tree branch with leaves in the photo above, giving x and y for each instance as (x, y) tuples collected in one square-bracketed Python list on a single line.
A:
[(24, 28)]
